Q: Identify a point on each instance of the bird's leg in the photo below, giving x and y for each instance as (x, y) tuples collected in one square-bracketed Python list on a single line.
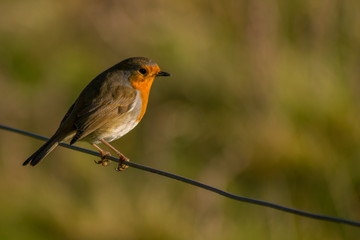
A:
[(122, 157), (103, 153)]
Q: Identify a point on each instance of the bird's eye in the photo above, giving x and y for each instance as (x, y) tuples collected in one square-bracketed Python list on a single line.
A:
[(142, 71)]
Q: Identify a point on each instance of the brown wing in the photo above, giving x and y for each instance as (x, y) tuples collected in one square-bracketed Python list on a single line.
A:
[(97, 106)]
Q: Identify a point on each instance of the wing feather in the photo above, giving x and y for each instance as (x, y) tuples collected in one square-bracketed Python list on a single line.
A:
[(104, 108)]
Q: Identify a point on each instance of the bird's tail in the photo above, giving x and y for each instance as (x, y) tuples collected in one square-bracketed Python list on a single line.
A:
[(43, 151)]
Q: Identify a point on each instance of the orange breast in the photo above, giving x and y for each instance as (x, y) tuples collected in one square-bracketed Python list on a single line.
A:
[(144, 89)]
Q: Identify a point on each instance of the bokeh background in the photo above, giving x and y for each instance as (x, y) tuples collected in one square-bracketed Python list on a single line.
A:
[(263, 102)]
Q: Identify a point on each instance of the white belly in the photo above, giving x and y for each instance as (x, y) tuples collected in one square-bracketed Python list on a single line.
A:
[(120, 130)]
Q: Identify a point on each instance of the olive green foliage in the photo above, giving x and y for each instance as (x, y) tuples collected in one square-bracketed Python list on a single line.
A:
[(263, 102)]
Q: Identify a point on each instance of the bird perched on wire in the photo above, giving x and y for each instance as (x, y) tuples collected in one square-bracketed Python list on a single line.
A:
[(110, 106)]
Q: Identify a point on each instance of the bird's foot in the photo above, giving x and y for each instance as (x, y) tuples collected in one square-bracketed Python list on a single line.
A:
[(103, 160), (122, 165)]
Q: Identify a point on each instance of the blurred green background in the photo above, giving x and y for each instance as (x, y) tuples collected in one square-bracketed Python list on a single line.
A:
[(263, 102)]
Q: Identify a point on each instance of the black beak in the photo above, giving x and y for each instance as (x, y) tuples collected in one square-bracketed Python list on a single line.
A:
[(163, 74)]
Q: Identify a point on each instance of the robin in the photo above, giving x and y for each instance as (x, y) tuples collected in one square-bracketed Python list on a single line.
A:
[(110, 106)]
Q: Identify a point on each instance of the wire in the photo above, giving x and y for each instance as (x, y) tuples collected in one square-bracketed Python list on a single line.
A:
[(199, 184)]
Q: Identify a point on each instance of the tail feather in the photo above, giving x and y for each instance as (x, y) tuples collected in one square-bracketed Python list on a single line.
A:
[(42, 152)]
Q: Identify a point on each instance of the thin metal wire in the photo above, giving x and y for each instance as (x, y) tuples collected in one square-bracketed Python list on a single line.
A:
[(199, 184)]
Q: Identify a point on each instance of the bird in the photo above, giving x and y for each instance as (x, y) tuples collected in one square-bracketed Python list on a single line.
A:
[(110, 106)]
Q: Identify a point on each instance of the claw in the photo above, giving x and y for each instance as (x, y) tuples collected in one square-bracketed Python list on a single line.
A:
[(103, 160), (121, 165)]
